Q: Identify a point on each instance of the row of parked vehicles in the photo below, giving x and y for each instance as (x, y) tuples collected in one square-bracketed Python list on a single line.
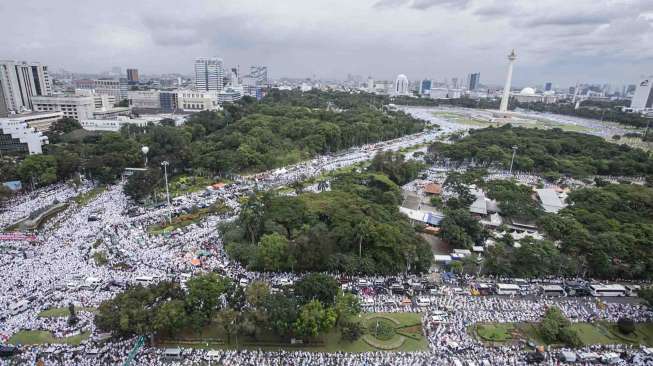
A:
[(568, 289)]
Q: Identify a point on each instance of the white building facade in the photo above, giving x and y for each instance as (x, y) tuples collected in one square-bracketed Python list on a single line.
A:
[(209, 74), (16, 137), (194, 101), (77, 107), (402, 86), (643, 97), (149, 99), (19, 82)]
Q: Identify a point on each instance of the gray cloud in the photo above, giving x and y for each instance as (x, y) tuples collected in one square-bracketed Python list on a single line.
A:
[(561, 40), (421, 4)]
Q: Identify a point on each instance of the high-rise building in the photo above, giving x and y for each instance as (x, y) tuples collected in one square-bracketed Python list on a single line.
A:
[(20, 81), (548, 86), (209, 74), (474, 81), (454, 83), (259, 73), (401, 85), (425, 87), (643, 97), (132, 75)]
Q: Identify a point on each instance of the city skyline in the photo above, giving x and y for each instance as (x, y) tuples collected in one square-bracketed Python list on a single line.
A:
[(574, 42)]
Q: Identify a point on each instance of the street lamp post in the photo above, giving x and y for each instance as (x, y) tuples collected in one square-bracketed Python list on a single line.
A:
[(145, 150), (514, 151), (165, 174)]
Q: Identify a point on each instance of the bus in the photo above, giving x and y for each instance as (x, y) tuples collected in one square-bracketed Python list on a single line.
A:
[(144, 280), (507, 289), (607, 290), (553, 290), (632, 290)]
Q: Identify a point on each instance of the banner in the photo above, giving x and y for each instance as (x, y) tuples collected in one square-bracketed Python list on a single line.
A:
[(17, 236)]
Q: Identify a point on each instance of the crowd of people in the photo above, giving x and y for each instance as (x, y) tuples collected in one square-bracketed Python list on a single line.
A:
[(62, 267)]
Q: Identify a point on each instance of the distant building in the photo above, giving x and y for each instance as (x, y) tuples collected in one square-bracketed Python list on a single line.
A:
[(548, 86), (259, 74), (209, 74), (195, 101), (17, 138), (529, 95), (19, 82), (425, 87), (112, 125), (77, 107), (149, 99), (116, 88), (39, 121), (168, 101), (132, 76), (474, 81), (643, 97), (401, 85), (229, 94)]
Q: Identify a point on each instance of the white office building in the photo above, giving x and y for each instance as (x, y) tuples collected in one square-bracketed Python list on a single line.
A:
[(19, 82), (102, 101), (230, 94), (643, 98), (77, 107), (209, 74), (195, 101), (401, 85), (40, 121), (16, 137), (112, 125), (149, 99)]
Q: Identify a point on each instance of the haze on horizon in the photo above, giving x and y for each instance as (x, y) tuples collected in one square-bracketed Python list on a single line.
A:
[(603, 41)]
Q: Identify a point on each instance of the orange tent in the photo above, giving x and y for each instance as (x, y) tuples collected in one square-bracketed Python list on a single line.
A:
[(195, 262)]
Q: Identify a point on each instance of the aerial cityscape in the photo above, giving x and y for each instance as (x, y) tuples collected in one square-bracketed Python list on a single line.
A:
[(383, 182)]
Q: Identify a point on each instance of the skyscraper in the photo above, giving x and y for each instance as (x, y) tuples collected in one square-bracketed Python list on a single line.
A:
[(474, 80), (506, 89), (425, 87), (548, 86), (209, 74), (20, 81), (643, 97), (132, 75), (259, 73), (401, 85)]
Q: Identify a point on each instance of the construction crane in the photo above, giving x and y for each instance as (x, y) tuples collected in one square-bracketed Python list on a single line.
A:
[(137, 347)]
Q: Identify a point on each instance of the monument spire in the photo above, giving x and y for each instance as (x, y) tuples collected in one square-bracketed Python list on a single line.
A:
[(506, 89)]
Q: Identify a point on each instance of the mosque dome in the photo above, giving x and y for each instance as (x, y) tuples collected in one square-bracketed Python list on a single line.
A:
[(527, 91)]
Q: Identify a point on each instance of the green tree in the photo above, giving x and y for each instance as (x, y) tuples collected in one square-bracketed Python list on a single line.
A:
[(273, 252), (313, 319), (228, 320), (317, 286), (347, 306), (203, 297), (170, 317), (256, 293), (39, 169), (281, 313)]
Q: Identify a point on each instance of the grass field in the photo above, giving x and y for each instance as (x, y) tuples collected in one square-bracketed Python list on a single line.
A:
[(61, 312), (589, 333), (408, 338), (87, 197), (187, 219), (25, 337)]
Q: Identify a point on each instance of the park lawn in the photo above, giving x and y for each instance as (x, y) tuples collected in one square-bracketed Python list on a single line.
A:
[(84, 198), (62, 312), (185, 220), (213, 337), (597, 333), (499, 332), (36, 337)]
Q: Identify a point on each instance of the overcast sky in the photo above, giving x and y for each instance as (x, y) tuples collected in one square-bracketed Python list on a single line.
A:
[(563, 41)]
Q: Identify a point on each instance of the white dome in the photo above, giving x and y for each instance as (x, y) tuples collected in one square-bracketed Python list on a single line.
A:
[(527, 91)]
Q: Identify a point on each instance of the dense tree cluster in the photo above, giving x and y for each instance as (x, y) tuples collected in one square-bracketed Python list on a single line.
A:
[(606, 233), (549, 152), (316, 306), (356, 227), (556, 328), (515, 200), (283, 128), (396, 167)]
